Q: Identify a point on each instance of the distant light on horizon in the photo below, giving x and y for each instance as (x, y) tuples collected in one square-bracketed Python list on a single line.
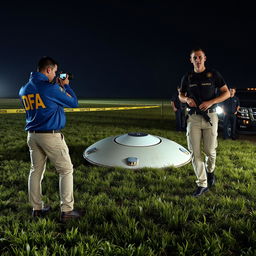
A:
[(4, 92)]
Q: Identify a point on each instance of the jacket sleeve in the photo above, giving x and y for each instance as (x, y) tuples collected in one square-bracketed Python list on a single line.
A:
[(63, 96)]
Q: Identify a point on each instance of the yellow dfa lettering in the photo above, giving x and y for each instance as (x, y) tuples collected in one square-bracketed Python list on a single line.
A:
[(32, 101), (25, 102), (39, 102)]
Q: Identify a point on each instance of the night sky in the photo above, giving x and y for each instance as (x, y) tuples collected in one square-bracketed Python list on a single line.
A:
[(117, 49)]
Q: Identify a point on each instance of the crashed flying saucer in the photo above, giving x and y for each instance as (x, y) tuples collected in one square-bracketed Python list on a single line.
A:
[(137, 150)]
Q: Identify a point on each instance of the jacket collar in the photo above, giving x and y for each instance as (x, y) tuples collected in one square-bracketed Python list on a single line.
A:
[(38, 76)]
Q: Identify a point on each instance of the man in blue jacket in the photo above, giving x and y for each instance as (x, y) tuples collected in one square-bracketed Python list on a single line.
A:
[(44, 102)]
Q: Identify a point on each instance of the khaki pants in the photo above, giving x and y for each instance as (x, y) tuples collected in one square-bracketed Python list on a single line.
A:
[(199, 130), (54, 147)]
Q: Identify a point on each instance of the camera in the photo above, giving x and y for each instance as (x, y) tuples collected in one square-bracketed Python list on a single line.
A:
[(63, 75)]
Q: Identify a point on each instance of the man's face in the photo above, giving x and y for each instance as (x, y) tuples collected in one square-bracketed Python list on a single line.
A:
[(198, 59), (51, 71)]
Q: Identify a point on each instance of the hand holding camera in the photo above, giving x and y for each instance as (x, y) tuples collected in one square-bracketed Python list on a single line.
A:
[(63, 78)]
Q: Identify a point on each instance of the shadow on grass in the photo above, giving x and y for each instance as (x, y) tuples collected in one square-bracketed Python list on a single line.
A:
[(20, 153)]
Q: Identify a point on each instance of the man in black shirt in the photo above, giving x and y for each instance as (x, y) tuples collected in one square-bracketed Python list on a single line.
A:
[(198, 90), (230, 108), (179, 109)]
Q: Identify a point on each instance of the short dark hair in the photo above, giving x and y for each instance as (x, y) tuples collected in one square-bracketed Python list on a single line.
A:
[(197, 49), (44, 62)]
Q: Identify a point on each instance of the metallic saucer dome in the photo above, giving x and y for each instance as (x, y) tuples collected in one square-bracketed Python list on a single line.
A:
[(137, 150)]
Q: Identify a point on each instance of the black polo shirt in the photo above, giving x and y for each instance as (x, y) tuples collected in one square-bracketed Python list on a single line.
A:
[(202, 86)]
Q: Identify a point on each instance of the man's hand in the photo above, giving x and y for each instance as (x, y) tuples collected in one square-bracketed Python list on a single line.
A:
[(205, 105), (191, 102), (62, 82)]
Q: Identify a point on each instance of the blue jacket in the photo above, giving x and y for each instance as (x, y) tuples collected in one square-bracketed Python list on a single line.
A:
[(44, 103)]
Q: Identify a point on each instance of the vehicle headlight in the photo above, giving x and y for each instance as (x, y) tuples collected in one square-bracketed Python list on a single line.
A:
[(219, 110)]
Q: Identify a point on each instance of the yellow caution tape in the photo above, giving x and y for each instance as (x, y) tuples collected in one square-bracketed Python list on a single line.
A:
[(20, 110)]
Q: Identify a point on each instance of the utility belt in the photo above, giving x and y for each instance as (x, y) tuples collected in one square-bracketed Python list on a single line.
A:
[(198, 112), (47, 131)]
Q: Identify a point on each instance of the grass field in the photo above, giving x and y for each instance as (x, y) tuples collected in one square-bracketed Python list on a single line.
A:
[(127, 212)]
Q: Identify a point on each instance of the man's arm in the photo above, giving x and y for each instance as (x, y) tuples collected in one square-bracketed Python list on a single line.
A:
[(184, 99), (238, 106), (224, 94), (62, 94), (173, 106)]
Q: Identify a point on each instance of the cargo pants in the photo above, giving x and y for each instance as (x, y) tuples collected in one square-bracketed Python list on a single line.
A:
[(54, 147), (200, 131)]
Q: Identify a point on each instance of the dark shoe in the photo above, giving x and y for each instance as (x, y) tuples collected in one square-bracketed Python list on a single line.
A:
[(64, 216), (200, 190), (210, 179), (41, 213)]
